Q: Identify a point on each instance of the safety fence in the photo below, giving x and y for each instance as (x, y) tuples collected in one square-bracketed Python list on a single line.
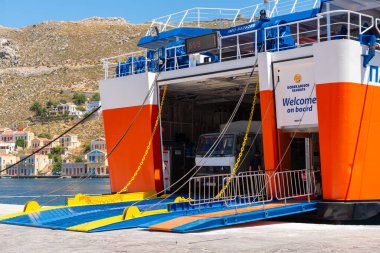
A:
[(242, 190), (294, 184), (252, 187), (333, 25)]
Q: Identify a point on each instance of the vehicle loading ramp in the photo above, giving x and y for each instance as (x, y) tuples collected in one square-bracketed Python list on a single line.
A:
[(99, 218), (249, 197), (65, 217)]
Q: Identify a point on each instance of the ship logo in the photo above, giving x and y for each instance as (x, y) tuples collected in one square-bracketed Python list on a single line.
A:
[(297, 78)]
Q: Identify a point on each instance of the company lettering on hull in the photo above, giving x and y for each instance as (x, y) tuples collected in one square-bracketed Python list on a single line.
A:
[(296, 101), (374, 75)]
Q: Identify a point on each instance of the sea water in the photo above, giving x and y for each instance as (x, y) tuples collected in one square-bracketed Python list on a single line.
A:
[(49, 191)]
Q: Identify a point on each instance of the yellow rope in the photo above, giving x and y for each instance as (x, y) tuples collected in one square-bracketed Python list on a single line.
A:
[(125, 188), (221, 192)]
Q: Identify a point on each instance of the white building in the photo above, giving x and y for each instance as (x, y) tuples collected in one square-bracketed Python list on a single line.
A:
[(99, 143), (68, 107), (34, 165), (4, 129), (6, 160), (69, 141), (7, 136), (26, 135), (73, 169), (7, 147), (97, 163)]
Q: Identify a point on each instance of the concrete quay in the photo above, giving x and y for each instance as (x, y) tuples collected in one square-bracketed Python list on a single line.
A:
[(266, 236)]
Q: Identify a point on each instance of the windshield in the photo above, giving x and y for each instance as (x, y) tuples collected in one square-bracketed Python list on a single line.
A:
[(225, 146)]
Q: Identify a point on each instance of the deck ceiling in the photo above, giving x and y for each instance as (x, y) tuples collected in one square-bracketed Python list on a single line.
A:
[(220, 89)]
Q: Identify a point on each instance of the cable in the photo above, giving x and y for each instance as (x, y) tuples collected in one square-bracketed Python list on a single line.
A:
[(209, 152), (150, 92), (125, 188)]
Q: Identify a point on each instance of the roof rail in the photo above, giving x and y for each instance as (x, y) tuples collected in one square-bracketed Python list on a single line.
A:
[(223, 17)]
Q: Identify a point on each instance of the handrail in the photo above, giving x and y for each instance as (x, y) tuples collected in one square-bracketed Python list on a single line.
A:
[(195, 17), (349, 12), (303, 32), (318, 37)]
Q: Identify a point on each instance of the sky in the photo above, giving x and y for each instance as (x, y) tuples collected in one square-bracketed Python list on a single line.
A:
[(20, 13)]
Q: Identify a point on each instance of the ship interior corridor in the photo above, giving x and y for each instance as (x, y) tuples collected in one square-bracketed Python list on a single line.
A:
[(194, 108), (300, 151)]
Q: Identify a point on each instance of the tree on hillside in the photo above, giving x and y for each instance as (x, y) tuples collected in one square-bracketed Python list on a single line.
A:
[(37, 108), (45, 135), (79, 99), (86, 148), (78, 159), (95, 97), (57, 163), (51, 103), (20, 142), (58, 150)]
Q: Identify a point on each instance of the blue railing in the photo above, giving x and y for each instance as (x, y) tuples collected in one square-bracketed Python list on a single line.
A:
[(342, 24)]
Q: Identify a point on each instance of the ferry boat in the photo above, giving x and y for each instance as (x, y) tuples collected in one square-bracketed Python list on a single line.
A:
[(318, 70), (265, 111)]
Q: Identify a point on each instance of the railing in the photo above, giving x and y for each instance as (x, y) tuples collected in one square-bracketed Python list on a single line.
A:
[(196, 17), (283, 7), (294, 183), (249, 188), (333, 25), (231, 47), (128, 64), (326, 26), (222, 17), (243, 189), (234, 47)]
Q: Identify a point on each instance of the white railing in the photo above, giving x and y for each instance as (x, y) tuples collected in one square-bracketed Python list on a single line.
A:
[(128, 64), (232, 47), (237, 46), (222, 17), (331, 25), (378, 25), (247, 14), (294, 184), (243, 189), (284, 7), (196, 17), (341, 24)]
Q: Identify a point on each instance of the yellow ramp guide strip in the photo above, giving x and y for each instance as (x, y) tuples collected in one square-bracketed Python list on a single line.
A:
[(81, 199), (128, 214), (30, 207)]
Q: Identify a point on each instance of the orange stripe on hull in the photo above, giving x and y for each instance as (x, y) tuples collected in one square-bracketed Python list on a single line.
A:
[(124, 161), (349, 132)]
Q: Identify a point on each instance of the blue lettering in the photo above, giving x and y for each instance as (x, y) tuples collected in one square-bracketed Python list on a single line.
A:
[(298, 101), (374, 74)]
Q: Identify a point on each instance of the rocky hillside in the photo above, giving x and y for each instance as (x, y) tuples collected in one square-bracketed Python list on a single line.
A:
[(52, 60)]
